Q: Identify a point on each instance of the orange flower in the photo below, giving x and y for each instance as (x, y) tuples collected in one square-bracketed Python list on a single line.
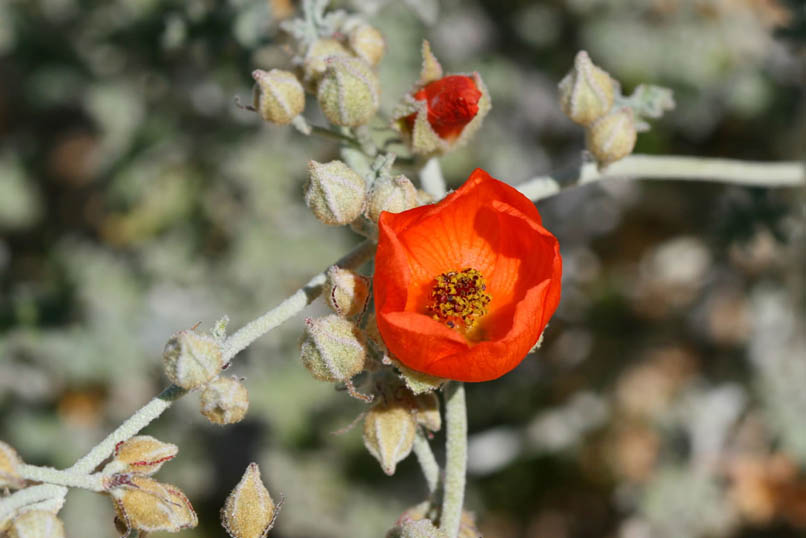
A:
[(465, 287), (452, 102)]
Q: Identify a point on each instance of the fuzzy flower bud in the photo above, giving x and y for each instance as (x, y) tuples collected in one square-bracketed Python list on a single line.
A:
[(611, 137), (144, 504), (333, 349), (192, 359), (586, 92), (426, 411), (346, 291), (36, 524), (349, 92), (9, 464), (315, 62), (395, 195), (335, 193), (389, 433), (368, 43), (224, 401), (249, 511), (141, 454), (279, 97)]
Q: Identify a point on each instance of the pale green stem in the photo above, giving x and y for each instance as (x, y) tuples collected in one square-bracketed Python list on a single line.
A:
[(28, 496), (455, 458), (735, 172), (131, 427), (49, 475), (293, 305), (431, 179), (428, 463)]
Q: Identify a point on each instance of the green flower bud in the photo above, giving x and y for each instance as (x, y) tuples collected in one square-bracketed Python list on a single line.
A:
[(389, 430), (349, 92), (395, 195), (315, 62), (586, 92), (335, 193), (36, 524), (279, 97), (368, 43), (612, 137), (192, 359), (224, 401), (333, 349), (346, 291)]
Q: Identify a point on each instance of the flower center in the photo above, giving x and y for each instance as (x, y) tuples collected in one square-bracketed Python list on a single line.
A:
[(459, 299)]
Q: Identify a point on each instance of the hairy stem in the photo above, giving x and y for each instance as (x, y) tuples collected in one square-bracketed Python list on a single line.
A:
[(735, 172), (293, 305), (49, 475), (428, 463), (455, 458), (28, 496), (131, 427)]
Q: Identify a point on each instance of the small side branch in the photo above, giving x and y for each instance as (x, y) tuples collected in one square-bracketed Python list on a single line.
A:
[(49, 475), (293, 305), (455, 458), (29, 496), (735, 172), (428, 463)]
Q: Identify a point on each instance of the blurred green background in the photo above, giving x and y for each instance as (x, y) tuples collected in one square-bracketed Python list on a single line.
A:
[(668, 398)]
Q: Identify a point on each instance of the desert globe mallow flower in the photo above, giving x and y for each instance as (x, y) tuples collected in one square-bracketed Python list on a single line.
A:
[(465, 287)]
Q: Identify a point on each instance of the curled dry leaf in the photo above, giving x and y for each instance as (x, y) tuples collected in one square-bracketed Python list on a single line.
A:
[(144, 504), (249, 511)]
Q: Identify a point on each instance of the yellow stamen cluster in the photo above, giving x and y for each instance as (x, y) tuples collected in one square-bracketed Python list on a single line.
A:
[(459, 299)]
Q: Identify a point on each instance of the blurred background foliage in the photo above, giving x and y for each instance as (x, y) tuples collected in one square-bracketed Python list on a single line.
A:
[(136, 200)]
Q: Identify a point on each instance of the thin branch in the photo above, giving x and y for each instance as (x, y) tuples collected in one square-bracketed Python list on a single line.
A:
[(747, 173), (293, 305), (131, 427), (28, 496), (455, 458), (428, 463), (49, 475)]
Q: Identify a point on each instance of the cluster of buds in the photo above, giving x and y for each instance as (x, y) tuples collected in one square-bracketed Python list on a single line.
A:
[(249, 511), (441, 112), (142, 503), (587, 97), (338, 195), (194, 361), (339, 69)]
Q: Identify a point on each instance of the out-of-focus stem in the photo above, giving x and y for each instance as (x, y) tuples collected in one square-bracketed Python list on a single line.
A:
[(431, 179), (49, 475), (735, 172), (428, 463), (455, 458)]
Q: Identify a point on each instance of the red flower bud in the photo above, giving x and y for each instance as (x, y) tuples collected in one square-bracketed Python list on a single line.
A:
[(452, 101)]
